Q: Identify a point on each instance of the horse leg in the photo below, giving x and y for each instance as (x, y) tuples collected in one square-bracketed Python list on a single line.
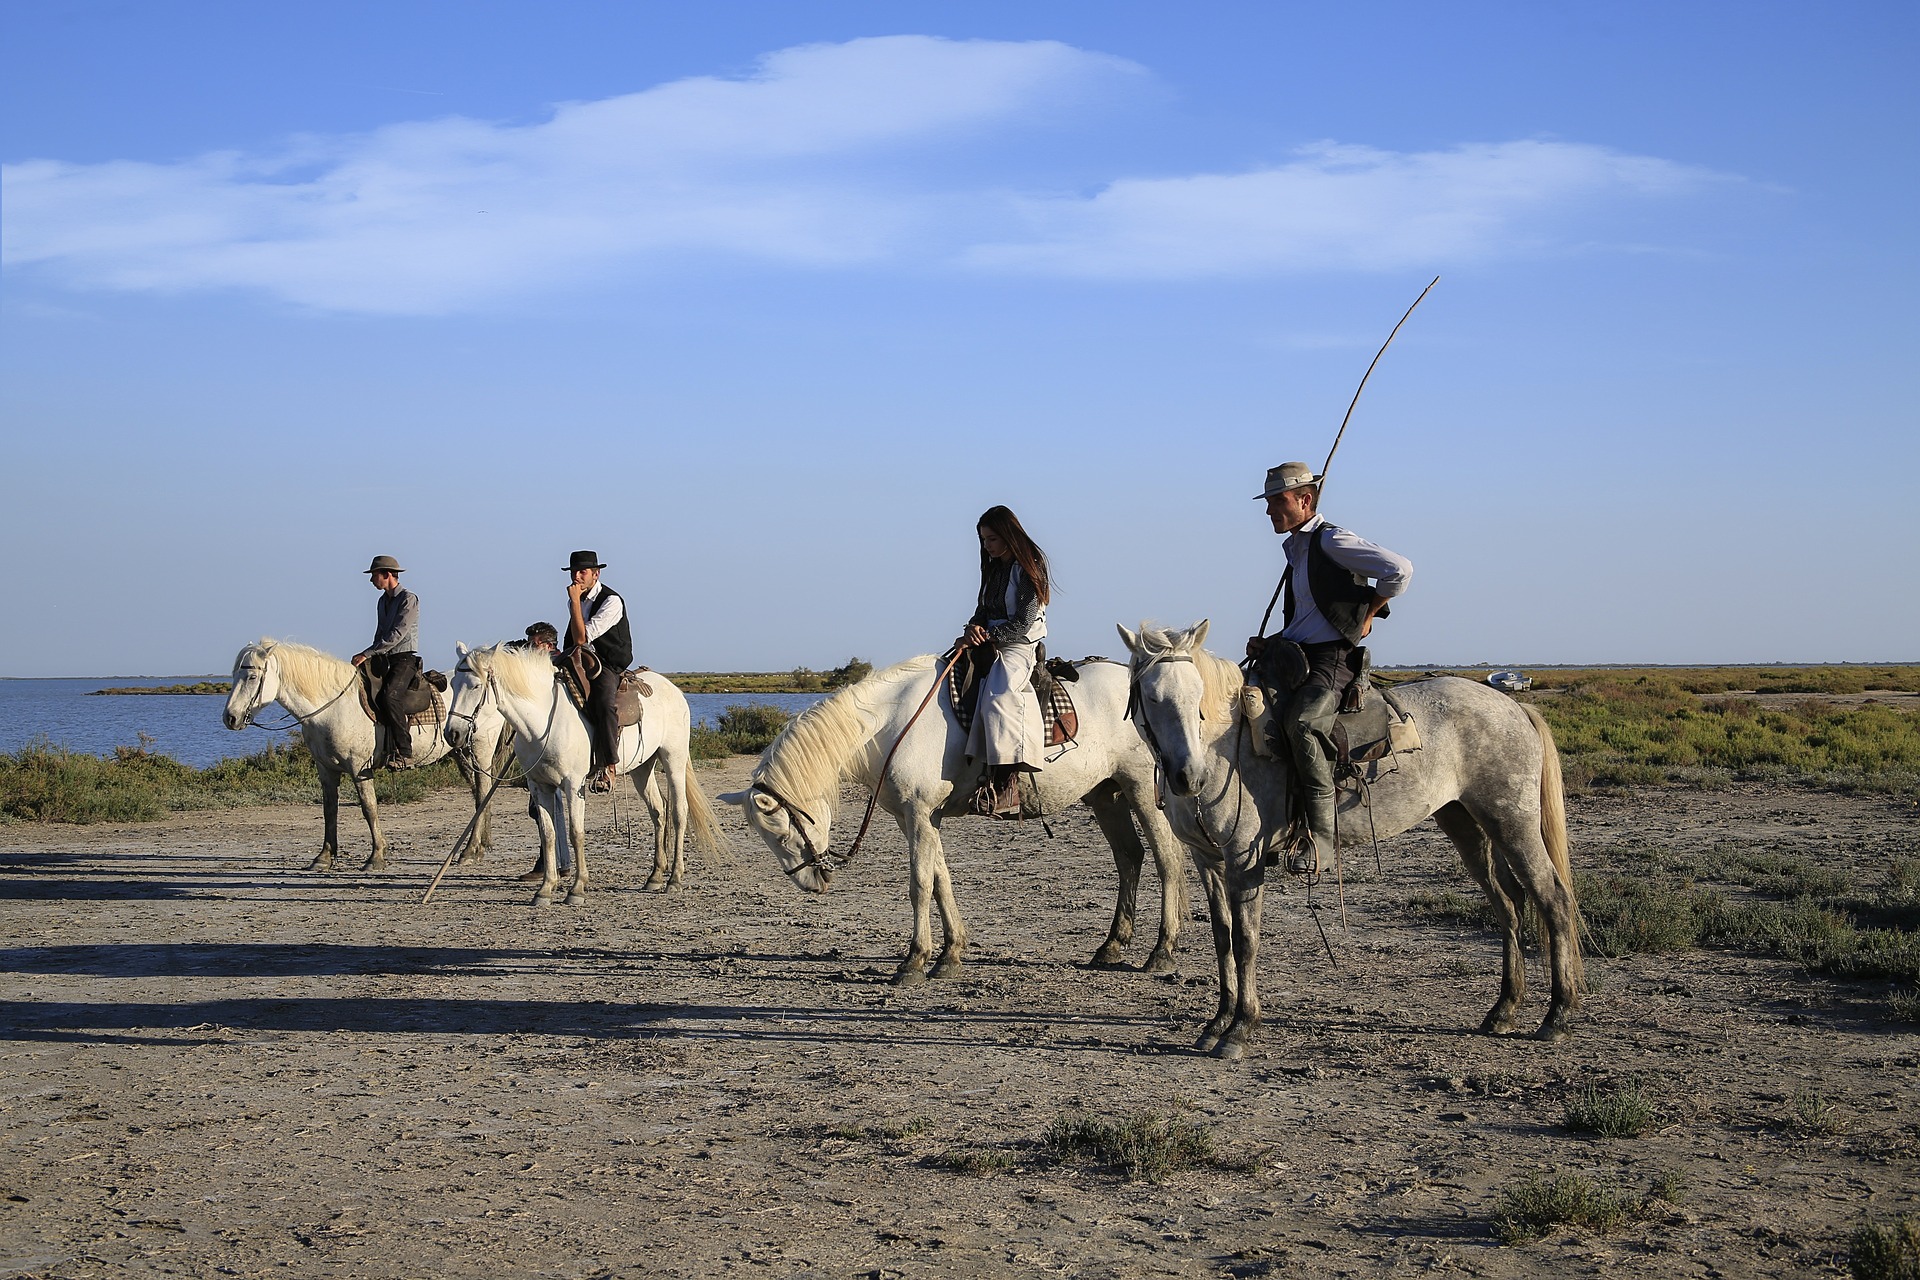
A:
[(1170, 860), (672, 808), (1220, 915), (576, 811), (370, 810), (553, 834), (1476, 852), (1117, 826), (923, 843), (1246, 889), (649, 793), (955, 929), (1521, 853), (330, 806)]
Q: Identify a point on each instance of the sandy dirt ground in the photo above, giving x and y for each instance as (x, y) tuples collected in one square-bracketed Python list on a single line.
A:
[(217, 1064)]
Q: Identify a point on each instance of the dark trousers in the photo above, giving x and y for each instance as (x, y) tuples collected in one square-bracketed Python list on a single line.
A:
[(1306, 722), (397, 672), (603, 717)]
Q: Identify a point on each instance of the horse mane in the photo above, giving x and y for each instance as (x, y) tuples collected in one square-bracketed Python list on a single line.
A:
[(811, 755), (314, 674), (1220, 680), (524, 673)]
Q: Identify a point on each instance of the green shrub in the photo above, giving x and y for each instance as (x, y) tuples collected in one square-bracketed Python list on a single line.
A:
[(1146, 1147), (1621, 1111), (1538, 1205), (1886, 1252), (743, 730)]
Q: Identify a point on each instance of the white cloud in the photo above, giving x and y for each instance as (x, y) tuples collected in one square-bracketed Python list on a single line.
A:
[(1336, 207), (819, 158)]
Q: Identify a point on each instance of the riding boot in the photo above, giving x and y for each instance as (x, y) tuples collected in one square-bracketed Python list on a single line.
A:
[(1308, 721)]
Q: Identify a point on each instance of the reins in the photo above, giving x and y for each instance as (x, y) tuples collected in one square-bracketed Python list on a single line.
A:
[(880, 780)]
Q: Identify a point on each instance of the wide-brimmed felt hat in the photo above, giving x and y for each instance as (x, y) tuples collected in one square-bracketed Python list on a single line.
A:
[(584, 560), (385, 564), (1288, 475)]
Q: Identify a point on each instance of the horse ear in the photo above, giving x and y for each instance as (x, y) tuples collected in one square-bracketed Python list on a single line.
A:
[(460, 647), (732, 797), (1200, 632), (1131, 640)]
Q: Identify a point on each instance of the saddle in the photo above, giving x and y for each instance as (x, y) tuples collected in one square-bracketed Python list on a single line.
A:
[(1059, 719), (576, 669), (421, 702), (1371, 724)]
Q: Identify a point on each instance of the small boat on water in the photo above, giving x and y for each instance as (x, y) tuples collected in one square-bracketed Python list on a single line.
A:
[(1511, 681)]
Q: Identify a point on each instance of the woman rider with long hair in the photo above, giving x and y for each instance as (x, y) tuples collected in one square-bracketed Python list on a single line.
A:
[(1009, 621)]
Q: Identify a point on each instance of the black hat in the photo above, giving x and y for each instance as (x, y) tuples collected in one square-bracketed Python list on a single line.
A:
[(584, 560)]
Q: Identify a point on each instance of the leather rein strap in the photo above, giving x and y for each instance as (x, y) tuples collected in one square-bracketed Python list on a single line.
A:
[(881, 780)]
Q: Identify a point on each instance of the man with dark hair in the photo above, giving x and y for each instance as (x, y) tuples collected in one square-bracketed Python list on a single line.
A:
[(543, 636), (597, 622), (394, 654), (1330, 608)]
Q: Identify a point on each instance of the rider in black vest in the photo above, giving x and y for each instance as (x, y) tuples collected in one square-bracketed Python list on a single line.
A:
[(1330, 607), (597, 619)]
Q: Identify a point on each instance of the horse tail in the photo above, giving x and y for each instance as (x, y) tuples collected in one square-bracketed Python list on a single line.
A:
[(705, 832), (1553, 829)]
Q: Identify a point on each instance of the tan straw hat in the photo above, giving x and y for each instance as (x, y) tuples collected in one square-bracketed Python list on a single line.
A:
[(385, 564), (1288, 475)]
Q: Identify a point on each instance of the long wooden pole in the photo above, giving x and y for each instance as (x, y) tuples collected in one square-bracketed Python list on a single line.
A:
[(461, 843), (1327, 466)]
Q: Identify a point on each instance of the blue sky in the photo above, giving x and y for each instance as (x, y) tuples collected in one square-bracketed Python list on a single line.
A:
[(766, 302)]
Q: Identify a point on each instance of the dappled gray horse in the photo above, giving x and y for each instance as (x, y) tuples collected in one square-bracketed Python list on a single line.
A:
[(1487, 772)]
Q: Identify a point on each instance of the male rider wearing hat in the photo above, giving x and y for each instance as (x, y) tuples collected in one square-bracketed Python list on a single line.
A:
[(394, 654), (1330, 608), (597, 619)]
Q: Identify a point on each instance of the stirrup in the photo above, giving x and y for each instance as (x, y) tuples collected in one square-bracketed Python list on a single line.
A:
[(1304, 858), (600, 784)]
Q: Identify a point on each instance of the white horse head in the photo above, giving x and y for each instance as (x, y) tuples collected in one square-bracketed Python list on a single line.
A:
[(472, 713), (796, 785), (1184, 699), (256, 682)]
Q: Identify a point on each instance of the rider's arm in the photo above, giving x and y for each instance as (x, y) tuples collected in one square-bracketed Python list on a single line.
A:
[(1390, 571)]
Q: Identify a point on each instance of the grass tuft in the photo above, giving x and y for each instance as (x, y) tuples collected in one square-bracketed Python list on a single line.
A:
[(1620, 1111), (1146, 1147), (1537, 1205), (743, 730), (1890, 1252)]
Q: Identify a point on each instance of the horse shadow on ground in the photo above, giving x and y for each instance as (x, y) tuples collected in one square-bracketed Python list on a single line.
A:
[(224, 1021)]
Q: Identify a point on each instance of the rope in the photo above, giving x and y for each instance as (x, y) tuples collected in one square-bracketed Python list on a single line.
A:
[(880, 780)]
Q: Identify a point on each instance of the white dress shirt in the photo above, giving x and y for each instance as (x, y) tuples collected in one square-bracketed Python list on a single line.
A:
[(1388, 571)]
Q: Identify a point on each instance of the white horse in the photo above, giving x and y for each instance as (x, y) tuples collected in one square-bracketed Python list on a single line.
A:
[(1487, 772), (321, 692), (796, 786), (552, 744), (486, 725)]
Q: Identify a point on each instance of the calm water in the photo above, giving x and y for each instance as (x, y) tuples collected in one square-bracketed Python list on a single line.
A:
[(187, 726)]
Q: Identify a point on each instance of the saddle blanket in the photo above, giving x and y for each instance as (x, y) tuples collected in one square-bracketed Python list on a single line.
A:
[(633, 688), (1059, 719), (423, 703)]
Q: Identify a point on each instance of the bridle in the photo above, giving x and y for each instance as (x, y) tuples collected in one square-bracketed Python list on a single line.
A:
[(814, 857), (1137, 713), (294, 718)]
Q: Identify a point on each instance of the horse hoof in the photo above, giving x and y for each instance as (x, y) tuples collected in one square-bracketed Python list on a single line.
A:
[(946, 969), (909, 977), (656, 884), (1161, 961), (1230, 1050), (1493, 1026), (576, 899), (1207, 1042), (321, 863), (542, 899), (468, 859), (1551, 1030), (1107, 957)]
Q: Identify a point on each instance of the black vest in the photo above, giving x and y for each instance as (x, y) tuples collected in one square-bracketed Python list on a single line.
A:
[(614, 647), (1343, 599)]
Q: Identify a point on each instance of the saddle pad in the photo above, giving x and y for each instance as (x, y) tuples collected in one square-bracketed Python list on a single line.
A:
[(1059, 718), (627, 701), (433, 712)]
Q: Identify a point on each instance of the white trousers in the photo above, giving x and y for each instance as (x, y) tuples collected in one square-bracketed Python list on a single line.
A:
[(1006, 722)]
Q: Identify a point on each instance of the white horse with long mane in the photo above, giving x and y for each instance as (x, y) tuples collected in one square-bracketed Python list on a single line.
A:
[(795, 789), (551, 741), (1487, 772), (321, 693)]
